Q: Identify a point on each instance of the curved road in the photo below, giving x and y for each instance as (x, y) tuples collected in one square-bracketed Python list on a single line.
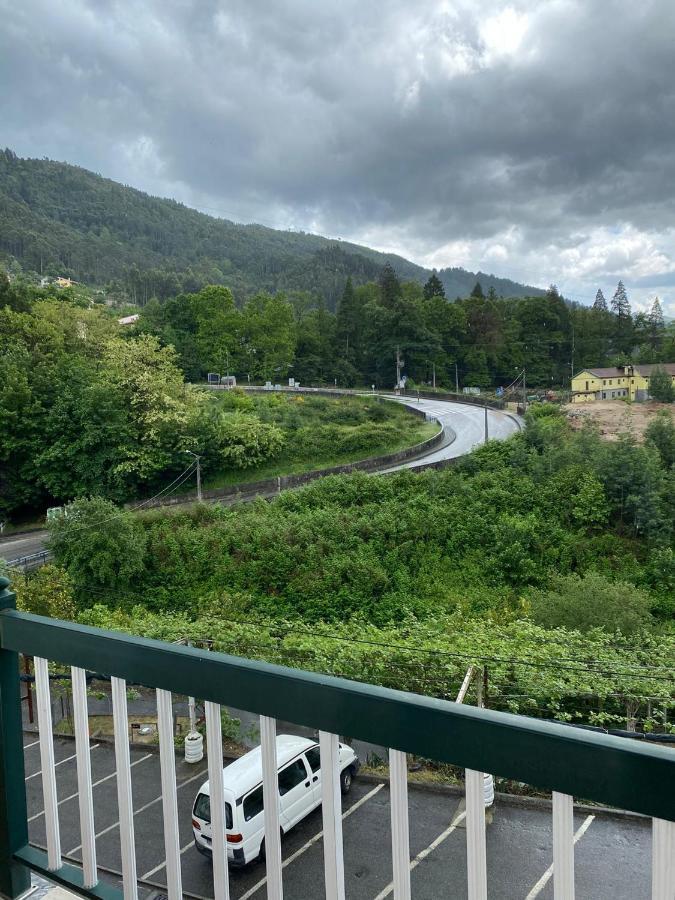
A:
[(464, 427), (465, 422)]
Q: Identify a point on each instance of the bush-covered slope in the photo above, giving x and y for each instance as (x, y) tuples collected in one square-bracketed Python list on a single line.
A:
[(60, 219)]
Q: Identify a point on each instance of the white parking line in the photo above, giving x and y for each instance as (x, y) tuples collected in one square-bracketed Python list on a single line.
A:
[(311, 842), (139, 810), (95, 784), (34, 744), (541, 884), (59, 763), (424, 853), (162, 864)]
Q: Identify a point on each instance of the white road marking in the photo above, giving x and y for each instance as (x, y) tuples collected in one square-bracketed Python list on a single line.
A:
[(59, 763), (139, 810), (311, 842), (541, 884), (95, 784), (424, 853), (34, 744), (162, 864)]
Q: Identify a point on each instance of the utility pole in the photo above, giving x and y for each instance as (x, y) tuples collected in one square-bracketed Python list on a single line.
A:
[(199, 474), (456, 380), (524, 393), (433, 376), (398, 368), (486, 423)]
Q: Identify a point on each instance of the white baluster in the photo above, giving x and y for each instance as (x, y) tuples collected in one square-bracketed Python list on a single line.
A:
[(563, 846), (475, 836), (124, 798), (268, 743), (400, 829), (334, 873), (663, 859), (84, 786), (167, 762), (47, 763), (214, 745)]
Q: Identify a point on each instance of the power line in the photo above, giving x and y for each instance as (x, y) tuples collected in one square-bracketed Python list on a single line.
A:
[(166, 491), (468, 656)]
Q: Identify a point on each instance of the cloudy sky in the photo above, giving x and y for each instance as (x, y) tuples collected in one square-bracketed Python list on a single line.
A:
[(533, 139)]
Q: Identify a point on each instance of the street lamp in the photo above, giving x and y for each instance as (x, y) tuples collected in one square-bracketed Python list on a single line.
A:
[(199, 474)]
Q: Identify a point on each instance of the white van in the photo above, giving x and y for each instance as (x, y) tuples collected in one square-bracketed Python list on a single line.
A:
[(299, 793)]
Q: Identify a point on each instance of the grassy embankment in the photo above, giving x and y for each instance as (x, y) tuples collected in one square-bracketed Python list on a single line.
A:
[(320, 432)]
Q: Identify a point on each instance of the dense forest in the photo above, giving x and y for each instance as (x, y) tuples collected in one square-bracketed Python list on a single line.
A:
[(479, 341), (58, 219)]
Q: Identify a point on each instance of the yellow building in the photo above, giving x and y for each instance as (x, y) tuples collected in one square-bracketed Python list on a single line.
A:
[(615, 382)]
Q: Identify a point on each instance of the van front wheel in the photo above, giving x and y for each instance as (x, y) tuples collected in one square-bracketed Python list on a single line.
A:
[(346, 778)]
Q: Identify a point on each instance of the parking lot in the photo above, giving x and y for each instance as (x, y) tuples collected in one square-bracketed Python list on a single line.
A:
[(613, 855)]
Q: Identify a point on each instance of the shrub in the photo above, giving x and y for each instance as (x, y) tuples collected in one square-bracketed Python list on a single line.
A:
[(592, 601)]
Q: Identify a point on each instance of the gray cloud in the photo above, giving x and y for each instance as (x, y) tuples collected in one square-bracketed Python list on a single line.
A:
[(532, 138)]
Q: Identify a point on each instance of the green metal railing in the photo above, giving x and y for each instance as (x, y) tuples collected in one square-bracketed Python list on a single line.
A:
[(601, 768)]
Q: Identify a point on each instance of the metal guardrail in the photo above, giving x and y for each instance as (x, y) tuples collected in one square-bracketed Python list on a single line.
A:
[(29, 561), (570, 762)]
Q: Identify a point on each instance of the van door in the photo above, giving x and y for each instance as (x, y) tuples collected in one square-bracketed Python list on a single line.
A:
[(313, 756), (295, 793)]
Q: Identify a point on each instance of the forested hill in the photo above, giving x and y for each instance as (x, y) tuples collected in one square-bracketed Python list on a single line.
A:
[(58, 219)]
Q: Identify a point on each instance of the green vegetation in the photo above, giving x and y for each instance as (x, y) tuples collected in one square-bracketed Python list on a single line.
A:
[(530, 557), (314, 432), (88, 409), (57, 219)]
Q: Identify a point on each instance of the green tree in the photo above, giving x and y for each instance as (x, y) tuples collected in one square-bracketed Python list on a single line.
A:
[(623, 322), (48, 592), (99, 544), (661, 386), (434, 287), (660, 434), (591, 601), (655, 325), (390, 286), (477, 291), (600, 304)]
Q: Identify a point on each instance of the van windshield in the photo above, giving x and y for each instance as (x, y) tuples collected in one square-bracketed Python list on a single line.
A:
[(202, 810)]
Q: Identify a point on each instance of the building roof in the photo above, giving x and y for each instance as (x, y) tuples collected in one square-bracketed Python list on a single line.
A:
[(129, 320), (618, 371)]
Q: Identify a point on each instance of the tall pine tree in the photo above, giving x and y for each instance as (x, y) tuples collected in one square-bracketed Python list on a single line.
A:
[(655, 324), (390, 286), (434, 287), (600, 303), (624, 337), (478, 291)]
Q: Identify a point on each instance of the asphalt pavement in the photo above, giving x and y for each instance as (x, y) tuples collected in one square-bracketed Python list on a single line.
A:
[(465, 422), (612, 854)]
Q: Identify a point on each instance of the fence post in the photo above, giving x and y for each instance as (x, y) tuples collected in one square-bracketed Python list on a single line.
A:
[(14, 876)]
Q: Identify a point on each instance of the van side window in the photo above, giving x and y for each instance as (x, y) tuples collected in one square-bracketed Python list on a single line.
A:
[(291, 776), (253, 804), (314, 759)]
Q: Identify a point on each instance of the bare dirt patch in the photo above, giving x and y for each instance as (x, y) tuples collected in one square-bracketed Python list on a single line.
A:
[(615, 417)]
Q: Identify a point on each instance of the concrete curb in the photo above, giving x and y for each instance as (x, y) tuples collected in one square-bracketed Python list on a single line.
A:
[(522, 802)]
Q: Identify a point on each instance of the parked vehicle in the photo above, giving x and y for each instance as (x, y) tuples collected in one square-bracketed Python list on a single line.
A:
[(299, 793)]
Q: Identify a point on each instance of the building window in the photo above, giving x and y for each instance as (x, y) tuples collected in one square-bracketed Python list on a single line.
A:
[(604, 395), (610, 380), (586, 385), (604, 382)]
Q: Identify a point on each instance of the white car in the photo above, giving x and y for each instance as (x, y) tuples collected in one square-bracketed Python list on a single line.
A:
[(299, 793)]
